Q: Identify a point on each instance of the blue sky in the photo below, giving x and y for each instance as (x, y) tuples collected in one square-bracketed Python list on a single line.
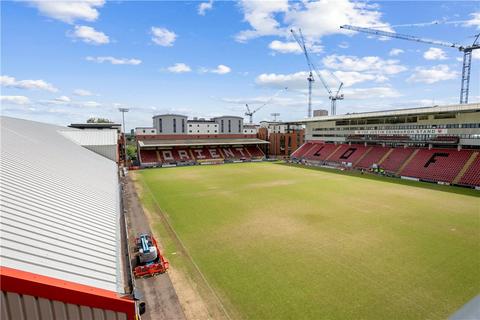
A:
[(65, 61)]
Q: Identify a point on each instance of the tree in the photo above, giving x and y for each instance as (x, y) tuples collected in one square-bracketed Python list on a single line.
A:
[(98, 120), (131, 152)]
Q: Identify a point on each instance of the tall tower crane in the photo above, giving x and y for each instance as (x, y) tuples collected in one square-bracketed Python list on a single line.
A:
[(251, 112), (333, 96), (467, 52)]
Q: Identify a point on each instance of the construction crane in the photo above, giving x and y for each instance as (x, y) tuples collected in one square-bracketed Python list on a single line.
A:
[(250, 112), (333, 96), (467, 52)]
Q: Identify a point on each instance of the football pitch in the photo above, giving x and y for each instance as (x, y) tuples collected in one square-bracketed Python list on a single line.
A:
[(284, 242)]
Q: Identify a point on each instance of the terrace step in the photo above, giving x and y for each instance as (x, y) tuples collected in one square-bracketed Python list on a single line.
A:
[(362, 156), (465, 167), (385, 156), (331, 154), (410, 157)]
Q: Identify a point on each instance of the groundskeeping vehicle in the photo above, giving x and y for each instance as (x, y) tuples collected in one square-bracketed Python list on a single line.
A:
[(149, 261)]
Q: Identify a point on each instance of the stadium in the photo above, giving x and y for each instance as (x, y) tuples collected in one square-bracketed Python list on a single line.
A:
[(137, 185)]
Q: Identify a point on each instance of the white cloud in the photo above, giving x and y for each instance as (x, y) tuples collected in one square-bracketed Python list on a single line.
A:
[(7, 81), (221, 69), (163, 37), (113, 60), (371, 93), (90, 104), (205, 6), (349, 78), (82, 92), (395, 52), (90, 35), (437, 73), (367, 64), (315, 18), (435, 54), (63, 99), (19, 100), (69, 11), (475, 55), (475, 21), (179, 68), (285, 47), (298, 80), (344, 45), (261, 17)]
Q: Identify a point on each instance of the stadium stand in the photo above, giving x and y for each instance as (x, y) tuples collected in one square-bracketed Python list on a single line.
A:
[(437, 144), (436, 164), (177, 155)]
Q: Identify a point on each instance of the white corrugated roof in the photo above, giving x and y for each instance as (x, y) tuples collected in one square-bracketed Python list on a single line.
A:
[(93, 137), (59, 207)]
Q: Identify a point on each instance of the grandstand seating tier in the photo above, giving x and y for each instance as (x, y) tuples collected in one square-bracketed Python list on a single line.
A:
[(178, 155), (436, 164), (372, 157), (472, 175), (439, 165)]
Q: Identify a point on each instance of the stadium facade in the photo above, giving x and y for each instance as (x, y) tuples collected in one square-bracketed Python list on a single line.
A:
[(62, 255), (437, 144)]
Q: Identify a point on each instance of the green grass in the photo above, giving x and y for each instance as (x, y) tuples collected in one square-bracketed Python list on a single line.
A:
[(284, 242)]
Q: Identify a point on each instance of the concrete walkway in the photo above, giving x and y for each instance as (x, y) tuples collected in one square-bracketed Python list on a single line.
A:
[(159, 294)]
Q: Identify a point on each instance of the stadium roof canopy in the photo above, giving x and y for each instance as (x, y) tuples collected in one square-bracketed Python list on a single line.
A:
[(92, 137), (398, 112), (199, 142), (59, 207)]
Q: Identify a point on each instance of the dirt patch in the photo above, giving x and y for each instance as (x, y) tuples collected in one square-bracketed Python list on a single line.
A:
[(276, 183)]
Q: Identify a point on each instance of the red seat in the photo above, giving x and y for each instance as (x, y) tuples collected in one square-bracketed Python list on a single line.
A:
[(148, 156), (372, 157), (348, 153), (436, 164), (395, 159), (472, 175)]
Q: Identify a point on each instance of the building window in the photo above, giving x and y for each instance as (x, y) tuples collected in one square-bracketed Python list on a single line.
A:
[(175, 125), (160, 129), (229, 125), (222, 127), (190, 131), (239, 126), (183, 125)]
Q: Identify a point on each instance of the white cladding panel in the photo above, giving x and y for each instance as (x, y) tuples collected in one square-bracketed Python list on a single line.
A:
[(59, 207), (14, 306), (95, 137)]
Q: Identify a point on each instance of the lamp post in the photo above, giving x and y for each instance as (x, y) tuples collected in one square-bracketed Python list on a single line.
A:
[(123, 110)]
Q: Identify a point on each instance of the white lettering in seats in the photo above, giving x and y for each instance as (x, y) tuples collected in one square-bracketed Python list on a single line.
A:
[(241, 151), (167, 155), (183, 154), (213, 153), (228, 153), (199, 153)]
